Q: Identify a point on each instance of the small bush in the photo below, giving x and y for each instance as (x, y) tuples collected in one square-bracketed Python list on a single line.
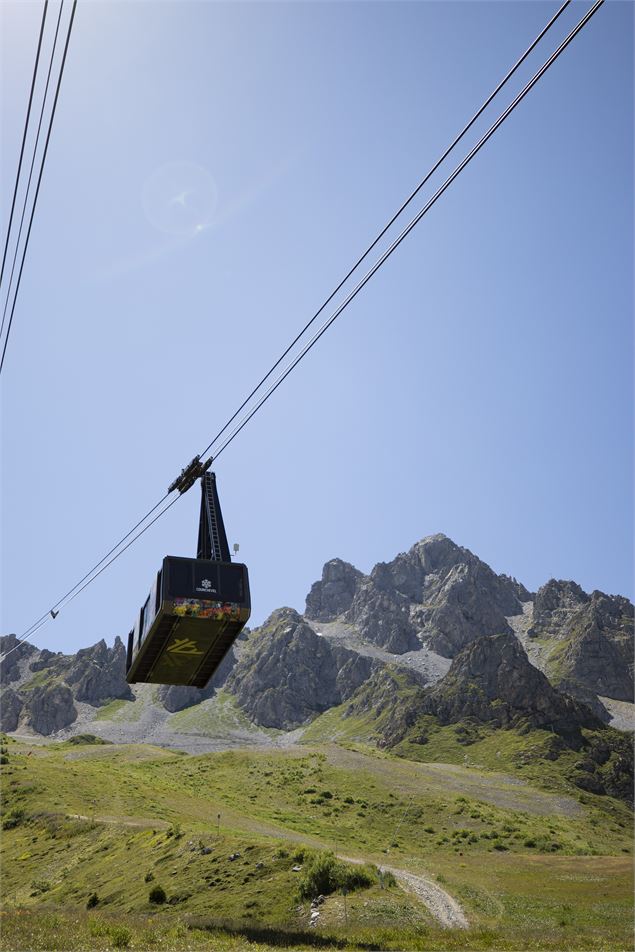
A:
[(120, 937), (14, 818), (92, 901), (149, 877), (157, 895), (324, 874)]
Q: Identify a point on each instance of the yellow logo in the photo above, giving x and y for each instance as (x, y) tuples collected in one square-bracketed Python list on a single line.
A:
[(184, 646)]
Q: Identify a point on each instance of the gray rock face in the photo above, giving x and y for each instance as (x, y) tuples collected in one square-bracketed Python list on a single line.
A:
[(491, 680), (332, 596), (10, 710), (48, 659), (383, 616), (554, 605), (289, 673), (176, 697), (438, 593), (593, 639), (10, 667), (98, 673), (50, 708)]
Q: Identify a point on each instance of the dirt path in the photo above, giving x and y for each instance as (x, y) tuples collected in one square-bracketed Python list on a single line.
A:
[(445, 909), (138, 822), (441, 904)]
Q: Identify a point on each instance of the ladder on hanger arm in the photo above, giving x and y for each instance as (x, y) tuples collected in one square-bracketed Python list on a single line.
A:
[(212, 539)]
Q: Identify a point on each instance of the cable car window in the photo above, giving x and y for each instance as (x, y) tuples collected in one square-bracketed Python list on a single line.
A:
[(147, 616), (231, 583), (180, 577)]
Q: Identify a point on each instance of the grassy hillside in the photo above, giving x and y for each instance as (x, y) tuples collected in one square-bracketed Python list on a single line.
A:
[(534, 867)]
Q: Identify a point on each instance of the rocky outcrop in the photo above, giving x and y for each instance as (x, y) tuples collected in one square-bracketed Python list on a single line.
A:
[(438, 594), (593, 639), (493, 682), (176, 697), (289, 673), (383, 616), (50, 708), (333, 595), (13, 653), (394, 697), (98, 673), (10, 709)]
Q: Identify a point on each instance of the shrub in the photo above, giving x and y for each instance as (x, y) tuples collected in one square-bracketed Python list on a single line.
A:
[(92, 901), (149, 877), (120, 937), (324, 874), (14, 818), (157, 895)]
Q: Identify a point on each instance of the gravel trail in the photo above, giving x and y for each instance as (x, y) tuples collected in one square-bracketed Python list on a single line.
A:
[(441, 904)]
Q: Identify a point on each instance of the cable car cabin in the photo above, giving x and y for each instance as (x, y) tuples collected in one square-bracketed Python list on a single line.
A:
[(195, 611), (197, 607)]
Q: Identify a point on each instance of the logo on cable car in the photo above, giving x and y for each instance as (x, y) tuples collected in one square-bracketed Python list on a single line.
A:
[(184, 646)]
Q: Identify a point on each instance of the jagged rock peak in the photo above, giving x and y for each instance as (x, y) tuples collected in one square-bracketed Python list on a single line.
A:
[(558, 594), (593, 638), (437, 593), (493, 680), (332, 596), (288, 673)]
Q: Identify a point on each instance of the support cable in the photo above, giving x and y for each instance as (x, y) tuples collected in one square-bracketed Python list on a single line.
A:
[(28, 184), (24, 135), (76, 590), (39, 182)]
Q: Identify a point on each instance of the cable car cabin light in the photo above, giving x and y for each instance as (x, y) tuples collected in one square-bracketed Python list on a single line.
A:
[(195, 610)]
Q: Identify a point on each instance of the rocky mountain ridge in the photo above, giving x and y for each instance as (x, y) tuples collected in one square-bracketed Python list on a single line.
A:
[(421, 612)]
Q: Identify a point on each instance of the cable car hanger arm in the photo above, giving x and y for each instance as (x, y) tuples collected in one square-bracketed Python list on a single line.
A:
[(189, 475)]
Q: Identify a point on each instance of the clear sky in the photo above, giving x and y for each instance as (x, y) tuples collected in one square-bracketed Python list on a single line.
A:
[(214, 170)]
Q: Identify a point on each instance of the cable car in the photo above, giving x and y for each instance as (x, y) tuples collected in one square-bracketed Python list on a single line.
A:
[(195, 610)]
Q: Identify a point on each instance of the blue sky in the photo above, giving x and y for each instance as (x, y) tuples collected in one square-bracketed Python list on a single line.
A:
[(480, 385)]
